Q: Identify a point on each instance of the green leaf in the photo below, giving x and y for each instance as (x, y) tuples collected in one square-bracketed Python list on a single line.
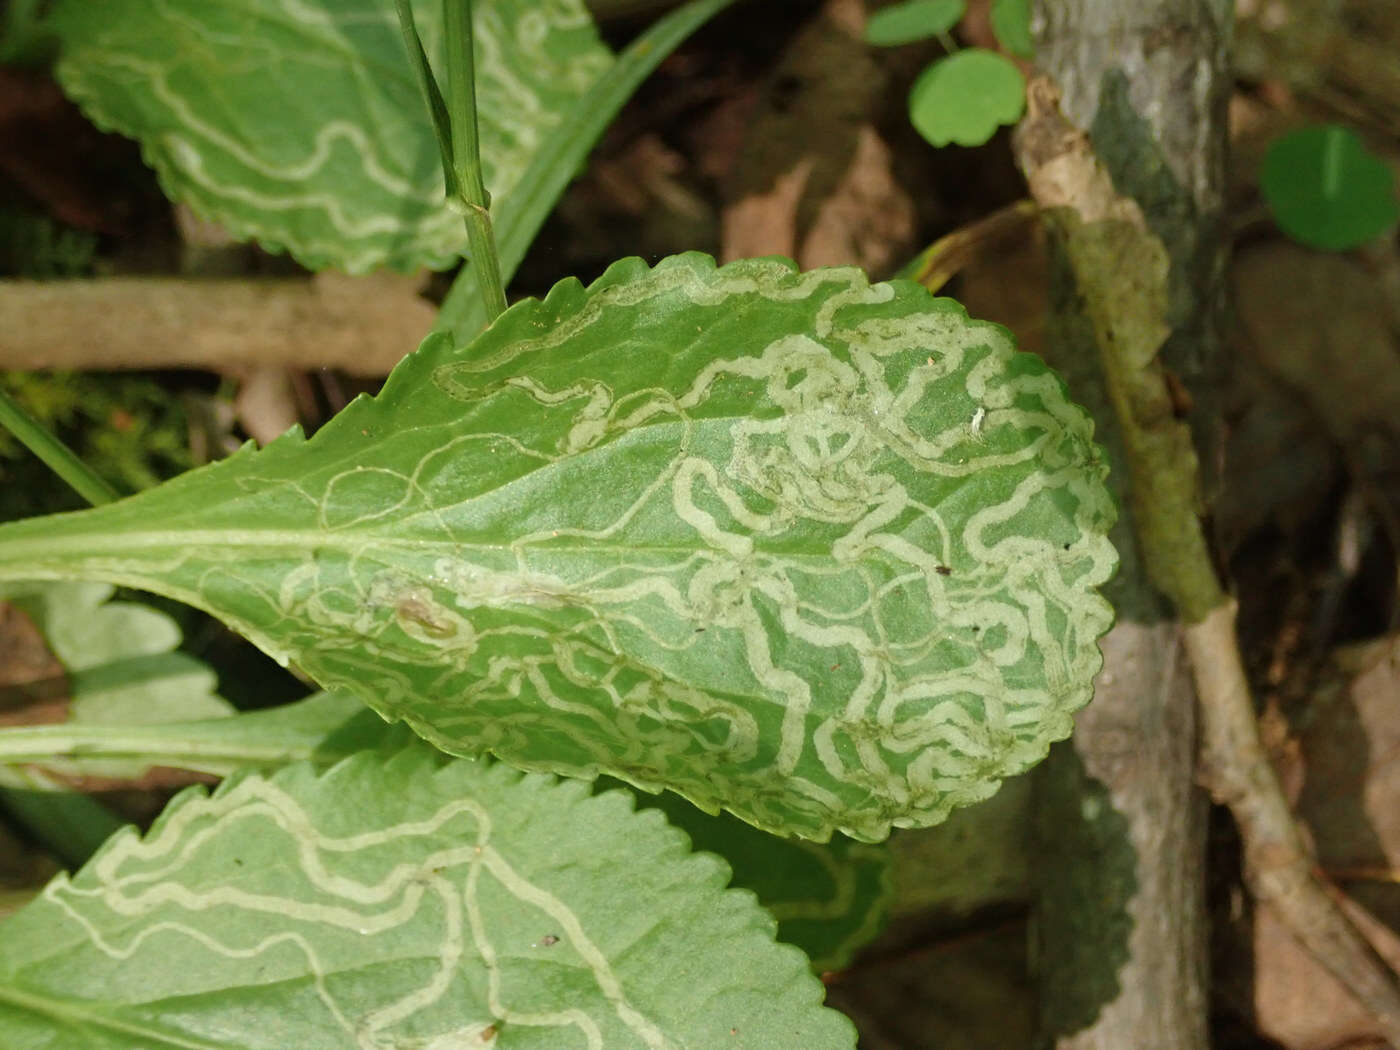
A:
[(830, 899), (69, 824), (818, 552), (120, 658), (1011, 22), (1327, 190), (24, 39), (965, 97), (404, 904), (913, 20), (300, 123), (122, 667)]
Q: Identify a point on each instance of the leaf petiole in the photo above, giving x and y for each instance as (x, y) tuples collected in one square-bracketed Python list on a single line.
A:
[(472, 199), (455, 127)]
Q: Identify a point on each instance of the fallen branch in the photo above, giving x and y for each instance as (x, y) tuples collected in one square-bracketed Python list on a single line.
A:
[(1120, 269), (362, 325)]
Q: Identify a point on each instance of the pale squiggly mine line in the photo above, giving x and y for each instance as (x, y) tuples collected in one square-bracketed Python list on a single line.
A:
[(311, 164), (793, 567), (450, 954), (366, 224), (573, 1018), (158, 861), (588, 951), (594, 420)]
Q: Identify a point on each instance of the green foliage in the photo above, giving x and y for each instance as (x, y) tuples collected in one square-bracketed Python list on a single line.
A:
[(323, 728), (297, 122), (404, 903), (818, 552), (126, 427), (829, 898), (1011, 22), (120, 657), (34, 245), (24, 40), (120, 669), (1327, 190), (563, 152), (912, 21), (965, 97)]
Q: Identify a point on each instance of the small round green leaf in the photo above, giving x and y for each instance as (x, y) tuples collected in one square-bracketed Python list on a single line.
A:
[(965, 97), (1327, 190), (1011, 22), (405, 903), (915, 20)]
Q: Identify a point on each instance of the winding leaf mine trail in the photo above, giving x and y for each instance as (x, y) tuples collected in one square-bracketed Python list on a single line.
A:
[(342, 170), (820, 552), (455, 902)]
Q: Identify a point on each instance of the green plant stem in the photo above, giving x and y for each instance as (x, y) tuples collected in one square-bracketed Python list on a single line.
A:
[(461, 102), (326, 727), (472, 199), (58, 456), (564, 151), (432, 96), (180, 745), (455, 128)]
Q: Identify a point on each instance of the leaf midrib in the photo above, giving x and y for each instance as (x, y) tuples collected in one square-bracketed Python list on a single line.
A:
[(80, 1017), (12, 551)]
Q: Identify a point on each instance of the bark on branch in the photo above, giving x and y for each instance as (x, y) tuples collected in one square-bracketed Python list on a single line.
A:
[(362, 325), (1122, 948), (1120, 268)]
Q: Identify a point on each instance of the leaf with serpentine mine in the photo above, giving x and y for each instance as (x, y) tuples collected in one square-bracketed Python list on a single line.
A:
[(820, 552), (404, 902), (300, 123)]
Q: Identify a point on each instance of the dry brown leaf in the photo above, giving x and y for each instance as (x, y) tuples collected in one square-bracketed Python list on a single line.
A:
[(813, 180), (1349, 764), (868, 220), (33, 684), (1298, 1003), (1351, 750), (765, 223), (1324, 325)]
